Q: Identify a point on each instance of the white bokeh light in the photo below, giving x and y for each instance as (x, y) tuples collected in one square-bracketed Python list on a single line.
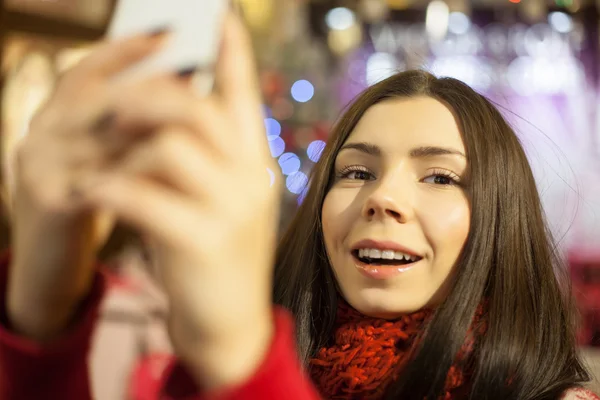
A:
[(468, 69), (458, 23), (340, 18), (560, 21), (380, 66), (436, 20), (543, 75)]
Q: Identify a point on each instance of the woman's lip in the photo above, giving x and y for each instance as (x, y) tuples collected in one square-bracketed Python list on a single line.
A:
[(382, 272)]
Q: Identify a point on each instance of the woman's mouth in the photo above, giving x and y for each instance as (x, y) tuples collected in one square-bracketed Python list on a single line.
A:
[(383, 264), (384, 257)]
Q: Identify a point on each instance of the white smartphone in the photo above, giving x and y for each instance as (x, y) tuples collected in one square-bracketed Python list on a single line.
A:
[(194, 26)]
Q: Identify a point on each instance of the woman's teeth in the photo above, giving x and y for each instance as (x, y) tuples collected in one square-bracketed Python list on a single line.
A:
[(386, 255)]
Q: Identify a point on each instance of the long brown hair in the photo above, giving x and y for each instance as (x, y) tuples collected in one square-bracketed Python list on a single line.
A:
[(529, 350)]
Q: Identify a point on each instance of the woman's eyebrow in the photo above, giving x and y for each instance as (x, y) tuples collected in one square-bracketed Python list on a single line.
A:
[(417, 152)]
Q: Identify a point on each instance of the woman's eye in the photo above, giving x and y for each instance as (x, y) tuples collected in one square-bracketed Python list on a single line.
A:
[(439, 180), (358, 175)]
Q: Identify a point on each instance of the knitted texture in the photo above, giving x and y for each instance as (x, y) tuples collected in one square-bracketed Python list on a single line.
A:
[(366, 354)]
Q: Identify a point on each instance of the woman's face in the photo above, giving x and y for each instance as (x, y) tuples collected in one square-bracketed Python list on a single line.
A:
[(396, 218)]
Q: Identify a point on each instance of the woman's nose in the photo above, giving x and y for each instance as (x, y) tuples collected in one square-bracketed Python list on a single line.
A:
[(388, 202)]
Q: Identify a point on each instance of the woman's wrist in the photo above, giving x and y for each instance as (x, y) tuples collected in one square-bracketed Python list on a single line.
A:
[(38, 323), (37, 314), (235, 357)]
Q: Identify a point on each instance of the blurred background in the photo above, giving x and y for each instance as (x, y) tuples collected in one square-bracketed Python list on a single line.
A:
[(538, 60)]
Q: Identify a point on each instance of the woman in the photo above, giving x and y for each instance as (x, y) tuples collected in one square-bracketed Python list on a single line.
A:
[(422, 233), (394, 182)]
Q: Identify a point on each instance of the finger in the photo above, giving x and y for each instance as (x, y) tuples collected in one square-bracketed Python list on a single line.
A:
[(235, 74), (237, 86), (79, 95), (142, 108), (114, 56), (151, 208), (173, 157)]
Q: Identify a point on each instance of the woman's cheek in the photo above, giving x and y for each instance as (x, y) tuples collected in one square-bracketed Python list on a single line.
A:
[(446, 215), (338, 204), (339, 212)]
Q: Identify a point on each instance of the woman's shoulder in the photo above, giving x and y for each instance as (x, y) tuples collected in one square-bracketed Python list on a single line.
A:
[(579, 394)]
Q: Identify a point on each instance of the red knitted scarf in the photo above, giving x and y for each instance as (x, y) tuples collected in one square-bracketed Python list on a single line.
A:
[(366, 354)]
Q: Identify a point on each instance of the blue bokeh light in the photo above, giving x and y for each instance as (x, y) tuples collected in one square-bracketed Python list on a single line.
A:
[(303, 91), (276, 145), (273, 127), (296, 182), (315, 149), (289, 163), (302, 195)]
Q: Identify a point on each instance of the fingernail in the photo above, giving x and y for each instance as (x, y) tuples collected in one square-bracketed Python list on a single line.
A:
[(186, 72), (158, 31), (104, 122)]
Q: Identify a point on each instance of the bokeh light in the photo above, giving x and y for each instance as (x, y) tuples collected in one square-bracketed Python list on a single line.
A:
[(342, 42), (315, 149), (436, 19), (289, 163), (303, 91), (380, 66), (302, 195), (458, 23), (469, 69), (560, 21), (273, 127), (276, 145), (296, 182), (340, 18)]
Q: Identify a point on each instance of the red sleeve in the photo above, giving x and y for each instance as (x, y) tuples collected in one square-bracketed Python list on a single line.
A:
[(60, 371), (280, 376), (57, 370)]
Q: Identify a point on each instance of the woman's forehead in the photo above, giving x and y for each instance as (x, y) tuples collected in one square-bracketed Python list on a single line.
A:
[(406, 123)]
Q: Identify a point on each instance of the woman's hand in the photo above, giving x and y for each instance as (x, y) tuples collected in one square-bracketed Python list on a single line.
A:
[(203, 194), (55, 233)]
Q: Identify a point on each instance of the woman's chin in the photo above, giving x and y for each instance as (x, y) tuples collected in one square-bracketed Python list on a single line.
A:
[(380, 303)]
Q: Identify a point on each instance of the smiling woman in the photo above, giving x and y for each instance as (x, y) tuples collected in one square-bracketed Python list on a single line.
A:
[(423, 228), (401, 195)]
